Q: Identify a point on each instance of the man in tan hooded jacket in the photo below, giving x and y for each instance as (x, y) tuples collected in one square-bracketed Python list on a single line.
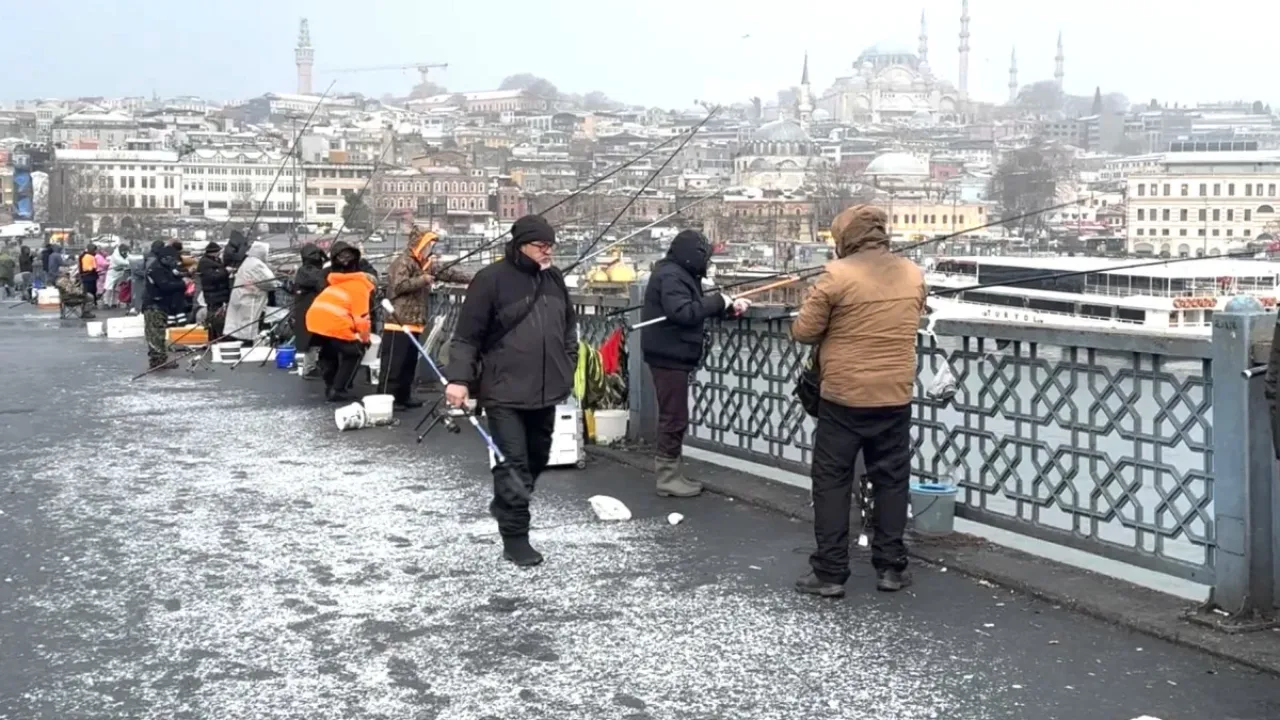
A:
[(862, 313)]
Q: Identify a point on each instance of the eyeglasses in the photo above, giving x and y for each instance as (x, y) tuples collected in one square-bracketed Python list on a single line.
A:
[(543, 246)]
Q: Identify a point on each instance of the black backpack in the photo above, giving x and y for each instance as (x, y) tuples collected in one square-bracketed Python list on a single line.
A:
[(808, 388)]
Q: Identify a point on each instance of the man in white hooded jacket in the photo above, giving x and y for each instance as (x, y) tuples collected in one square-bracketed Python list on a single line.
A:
[(249, 288)]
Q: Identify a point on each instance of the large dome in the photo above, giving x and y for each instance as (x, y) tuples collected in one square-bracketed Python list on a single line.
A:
[(781, 131), (897, 164)]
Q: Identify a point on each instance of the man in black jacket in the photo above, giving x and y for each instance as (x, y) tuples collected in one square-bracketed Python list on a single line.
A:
[(165, 302), (236, 251), (215, 286), (308, 281), (516, 338), (673, 348)]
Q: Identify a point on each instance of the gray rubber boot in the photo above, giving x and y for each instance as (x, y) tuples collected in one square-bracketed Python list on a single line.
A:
[(671, 482)]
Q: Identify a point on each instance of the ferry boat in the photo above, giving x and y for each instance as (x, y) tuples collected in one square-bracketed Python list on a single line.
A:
[(1178, 298)]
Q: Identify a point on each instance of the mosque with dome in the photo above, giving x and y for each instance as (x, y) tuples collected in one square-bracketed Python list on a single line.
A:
[(895, 85)]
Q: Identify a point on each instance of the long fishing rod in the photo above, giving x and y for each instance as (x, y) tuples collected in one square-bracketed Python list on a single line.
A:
[(576, 192), (653, 176), (615, 243), (797, 276), (204, 348), (1063, 275), (516, 485), (293, 148)]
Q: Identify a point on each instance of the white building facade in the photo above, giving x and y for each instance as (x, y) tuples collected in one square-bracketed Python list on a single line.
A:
[(1205, 203)]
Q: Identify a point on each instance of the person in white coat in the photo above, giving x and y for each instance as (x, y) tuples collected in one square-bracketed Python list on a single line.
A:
[(249, 289), (117, 273)]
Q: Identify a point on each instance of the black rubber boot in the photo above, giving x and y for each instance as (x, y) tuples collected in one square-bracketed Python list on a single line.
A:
[(516, 549), (811, 584), (893, 580)]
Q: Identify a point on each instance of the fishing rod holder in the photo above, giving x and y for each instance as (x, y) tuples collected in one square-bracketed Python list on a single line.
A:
[(440, 414)]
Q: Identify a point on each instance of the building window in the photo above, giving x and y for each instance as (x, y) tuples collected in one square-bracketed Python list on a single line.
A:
[(1215, 232), (1184, 190), (1217, 214), (1142, 190), (1229, 231), (1164, 215), (1204, 215), (1271, 190), (1247, 232), (1182, 214), (1217, 189), (1139, 231), (1153, 189), (1231, 189), (1248, 215), (1182, 232), (1166, 189), (1200, 232), (1203, 189), (1230, 214), (326, 209), (1248, 190), (1141, 214), (1164, 231), (895, 219)]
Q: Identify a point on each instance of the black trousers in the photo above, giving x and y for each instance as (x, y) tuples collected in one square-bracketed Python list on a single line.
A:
[(524, 437), (883, 435), (398, 364), (339, 360), (672, 389)]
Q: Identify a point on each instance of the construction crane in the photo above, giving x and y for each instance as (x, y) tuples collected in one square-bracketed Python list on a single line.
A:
[(422, 68)]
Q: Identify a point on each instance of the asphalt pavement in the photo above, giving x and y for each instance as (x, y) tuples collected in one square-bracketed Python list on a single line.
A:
[(208, 545)]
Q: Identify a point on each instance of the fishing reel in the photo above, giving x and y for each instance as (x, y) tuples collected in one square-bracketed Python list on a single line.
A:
[(441, 414)]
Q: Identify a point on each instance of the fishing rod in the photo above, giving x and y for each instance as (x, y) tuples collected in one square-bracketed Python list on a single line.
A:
[(203, 348), (1063, 275), (516, 484), (360, 195), (576, 192), (615, 243), (653, 176), (293, 148), (818, 269)]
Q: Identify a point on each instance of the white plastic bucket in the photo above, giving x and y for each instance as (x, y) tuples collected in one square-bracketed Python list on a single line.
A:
[(260, 354), (379, 408), (96, 328), (933, 508), (227, 352), (350, 417), (611, 425), (48, 298)]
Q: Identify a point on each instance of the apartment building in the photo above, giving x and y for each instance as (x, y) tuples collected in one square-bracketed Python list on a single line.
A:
[(108, 191), (235, 185), (1204, 203)]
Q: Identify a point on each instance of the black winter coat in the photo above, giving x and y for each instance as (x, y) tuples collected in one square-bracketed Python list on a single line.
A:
[(166, 288), (236, 250), (532, 364), (308, 281), (215, 281), (674, 291), (26, 261)]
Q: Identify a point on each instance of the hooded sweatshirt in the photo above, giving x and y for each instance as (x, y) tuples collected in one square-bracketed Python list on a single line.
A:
[(863, 313), (166, 287), (307, 284), (249, 289), (409, 283), (675, 291), (341, 310), (236, 251)]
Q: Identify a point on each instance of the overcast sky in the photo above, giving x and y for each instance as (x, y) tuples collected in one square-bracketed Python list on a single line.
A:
[(653, 52)]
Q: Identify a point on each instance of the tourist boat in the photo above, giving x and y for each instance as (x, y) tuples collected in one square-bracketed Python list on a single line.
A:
[(1178, 298)]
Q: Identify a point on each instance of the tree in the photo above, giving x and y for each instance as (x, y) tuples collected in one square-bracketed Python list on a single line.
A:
[(427, 89), (1257, 107), (597, 100), (356, 214), (1097, 102), (1027, 181), (534, 85), (458, 100), (1040, 97), (1115, 102)]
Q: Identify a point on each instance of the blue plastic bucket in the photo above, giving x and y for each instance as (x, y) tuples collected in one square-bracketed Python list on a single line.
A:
[(284, 357), (933, 508)]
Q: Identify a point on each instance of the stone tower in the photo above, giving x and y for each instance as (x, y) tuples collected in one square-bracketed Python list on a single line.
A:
[(924, 41), (964, 50), (304, 56), (1057, 63), (1013, 76), (805, 103)]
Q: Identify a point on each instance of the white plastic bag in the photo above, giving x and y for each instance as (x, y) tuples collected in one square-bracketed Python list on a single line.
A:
[(944, 384)]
